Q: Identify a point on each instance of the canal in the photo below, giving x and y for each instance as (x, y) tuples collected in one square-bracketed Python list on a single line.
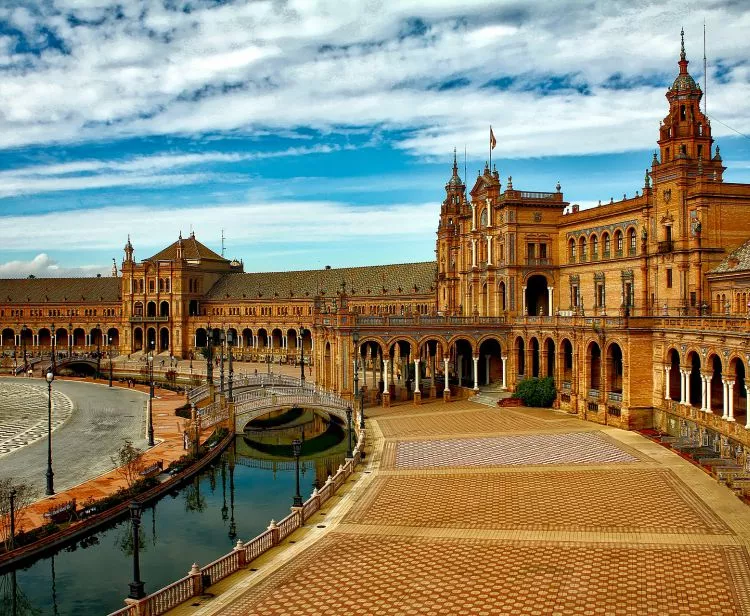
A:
[(235, 498)]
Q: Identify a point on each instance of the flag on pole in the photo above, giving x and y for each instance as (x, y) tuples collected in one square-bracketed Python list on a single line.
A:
[(493, 141)]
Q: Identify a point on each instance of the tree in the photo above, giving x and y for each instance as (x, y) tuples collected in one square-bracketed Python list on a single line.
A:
[(536, 392), (129, 462), (24, 496)]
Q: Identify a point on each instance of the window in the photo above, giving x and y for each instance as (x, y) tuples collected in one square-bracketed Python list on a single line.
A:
[(572, 251), (628, 294), (574, 296), (668, 233), (631, 242), (594, 247), (693, 298), (682, 112), (600, 296), (666, 151), (700, 151), (542, 251), (605, 239), (669, 279), (531, 251), (618, 243)]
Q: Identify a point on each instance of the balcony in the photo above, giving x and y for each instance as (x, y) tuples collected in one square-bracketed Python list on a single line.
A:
[(665, 246), (139, 318), (538, 261)]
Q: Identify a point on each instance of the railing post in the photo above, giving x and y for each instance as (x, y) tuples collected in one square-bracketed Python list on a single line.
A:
[(241, 555), (197, 578), (274, 532)]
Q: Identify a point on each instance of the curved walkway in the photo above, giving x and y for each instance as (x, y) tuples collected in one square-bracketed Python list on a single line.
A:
[(469, 510)]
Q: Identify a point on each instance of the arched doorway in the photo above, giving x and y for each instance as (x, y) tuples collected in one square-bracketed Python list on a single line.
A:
[(567, 360), (79, 337), (614, 370), (695, 395), (247, 337), (9, 337), (463, 363), (738, 392), (595, 367), (276, 339), (262, 339), (201, 338), (164, 309), (137, 339), (291, 340), (163, 339), (534, 352), (520, 357), (717, 387), (61, 337), (150, 339), (151, 309), (675, 389), (490, 362), (44, 338), (549, 349), (536, 296), (113, 337), (96, 337)]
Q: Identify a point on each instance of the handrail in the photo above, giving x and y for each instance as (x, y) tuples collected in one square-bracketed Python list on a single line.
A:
[(170, 596)]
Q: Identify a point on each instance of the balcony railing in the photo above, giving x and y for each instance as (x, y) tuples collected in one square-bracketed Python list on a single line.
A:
[(631, 251), (538, 261), (594, 394), (139, 318), (605, 254), (582, 258), (665, 246), (618, 253)]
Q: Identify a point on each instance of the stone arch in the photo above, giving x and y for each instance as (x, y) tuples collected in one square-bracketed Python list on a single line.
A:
[(113, 337), (164, 309), (95, 337), (44, 338), (137, 339), (615, 368), (163, 339), (695, 382), (201, 338), (716, 385), (262, 338), (235, 342), (454, 339), (674, 363), (739, 387), (291, 340), (548, 350), (536, 294), (247, 337), (594, 365), (79, 337), (9, 337), (151, 309), (566, 352), (61, 337), (276, 338), (150, 339), (490, 352), (519, 348), (534, 356)]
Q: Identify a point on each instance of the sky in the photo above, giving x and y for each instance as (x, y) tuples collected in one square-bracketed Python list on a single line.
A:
[(321, 132)]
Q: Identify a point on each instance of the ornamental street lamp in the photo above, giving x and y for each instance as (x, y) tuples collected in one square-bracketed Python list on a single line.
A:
[(355, 340), (302, 354), (349, 424), (230, 342), (50, 487), (296, 451), (209, 359), (136, 586), (151, 399), (52, 346), (109, 345), (222, 339), (70, 340)]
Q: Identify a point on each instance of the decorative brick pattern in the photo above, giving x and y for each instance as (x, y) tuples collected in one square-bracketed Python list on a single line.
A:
[(563, 448), (612, 501), (355, 574)]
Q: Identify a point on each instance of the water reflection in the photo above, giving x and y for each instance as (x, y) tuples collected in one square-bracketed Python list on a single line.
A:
[(196, 523)]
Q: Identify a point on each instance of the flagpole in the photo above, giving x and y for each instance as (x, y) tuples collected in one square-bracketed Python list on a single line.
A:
[(490, 148)]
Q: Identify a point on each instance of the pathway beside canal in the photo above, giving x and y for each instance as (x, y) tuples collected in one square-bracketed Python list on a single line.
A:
[(465, 509)]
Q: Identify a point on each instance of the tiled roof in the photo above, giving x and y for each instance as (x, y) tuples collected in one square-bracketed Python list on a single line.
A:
[(191, 249), (74, 290), (736, 261), (378, 279)]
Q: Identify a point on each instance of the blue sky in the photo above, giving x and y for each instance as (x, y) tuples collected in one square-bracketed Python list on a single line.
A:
[(317, 132)]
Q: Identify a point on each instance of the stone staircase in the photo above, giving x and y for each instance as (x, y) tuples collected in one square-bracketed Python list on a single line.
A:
[(490, 394)]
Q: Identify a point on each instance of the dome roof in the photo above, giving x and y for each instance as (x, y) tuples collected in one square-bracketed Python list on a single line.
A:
[(684, 82), (455, 180)]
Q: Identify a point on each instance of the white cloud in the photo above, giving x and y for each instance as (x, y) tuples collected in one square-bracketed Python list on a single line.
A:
[(325, 64), (44, 266)]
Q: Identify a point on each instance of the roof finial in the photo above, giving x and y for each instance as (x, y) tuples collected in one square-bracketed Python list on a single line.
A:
[(682, 43), (455, 163)]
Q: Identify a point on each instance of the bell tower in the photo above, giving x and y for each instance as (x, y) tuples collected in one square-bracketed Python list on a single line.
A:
[(448, 241), (685, 133)]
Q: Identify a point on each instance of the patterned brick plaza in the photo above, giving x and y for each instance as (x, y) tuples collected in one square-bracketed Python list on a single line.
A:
[(465, 510)]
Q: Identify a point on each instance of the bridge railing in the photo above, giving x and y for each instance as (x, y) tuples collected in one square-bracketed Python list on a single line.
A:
[(196, 394), (194, 584)]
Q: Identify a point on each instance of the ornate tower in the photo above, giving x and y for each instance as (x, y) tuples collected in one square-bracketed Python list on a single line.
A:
[(448, 241)]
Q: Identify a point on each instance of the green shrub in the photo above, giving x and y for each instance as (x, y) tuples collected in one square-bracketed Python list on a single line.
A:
[(536, 392)]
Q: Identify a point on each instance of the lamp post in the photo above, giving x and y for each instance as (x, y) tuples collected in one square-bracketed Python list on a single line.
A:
[(297, 450), (98, 351), (52, 346), (70, 340), (355, 340), (230, 342), (209, 359), (50, 487), (150, 399), (136, 586), (24, 329), (12, 518), (222, 339), (109, 349), (302, 354), (349, 436)]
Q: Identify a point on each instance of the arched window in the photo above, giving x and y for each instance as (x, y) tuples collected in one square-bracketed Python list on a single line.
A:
[(138, 309), (151, 286), (572, 251), (631, 242), (594, 246), (161, 285), (618, 243), (582, 249), (605, 241), (483, 219)]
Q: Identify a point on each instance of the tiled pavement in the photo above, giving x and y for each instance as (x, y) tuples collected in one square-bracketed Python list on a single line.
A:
[(606, 528)]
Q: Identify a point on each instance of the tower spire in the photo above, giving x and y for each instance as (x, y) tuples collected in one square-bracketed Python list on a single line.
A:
[(455, 163), (683, 63)]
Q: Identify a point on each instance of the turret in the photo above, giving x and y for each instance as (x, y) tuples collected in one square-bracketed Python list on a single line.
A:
[(128, 251)]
